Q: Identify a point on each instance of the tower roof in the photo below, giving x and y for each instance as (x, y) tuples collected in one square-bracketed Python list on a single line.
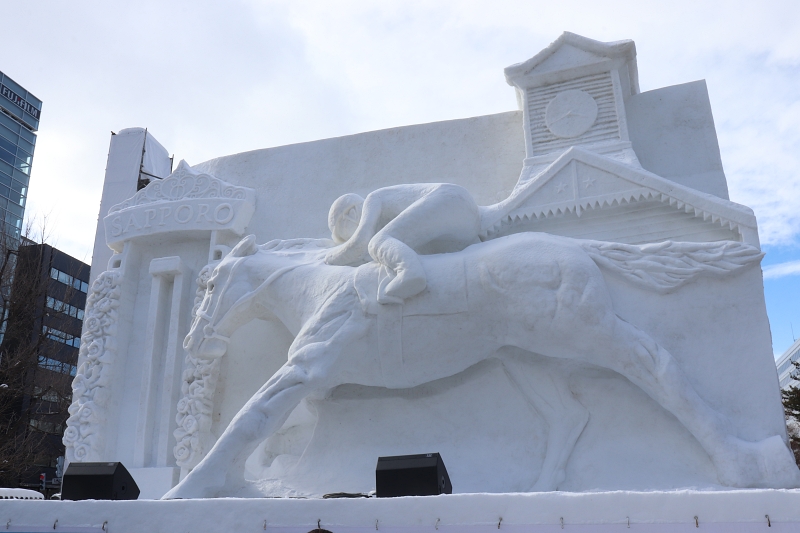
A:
[(571, 50)]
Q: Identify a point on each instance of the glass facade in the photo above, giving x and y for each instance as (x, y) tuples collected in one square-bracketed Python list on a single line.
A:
[(785, 364), (66, 279), (19, 120)]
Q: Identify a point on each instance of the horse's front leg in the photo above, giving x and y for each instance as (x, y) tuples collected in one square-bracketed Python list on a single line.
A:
[(314, 364), (221, 472)]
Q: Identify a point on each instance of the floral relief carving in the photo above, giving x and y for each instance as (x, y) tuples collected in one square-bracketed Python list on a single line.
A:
[(183, 184), (194, 416), (91, 391)]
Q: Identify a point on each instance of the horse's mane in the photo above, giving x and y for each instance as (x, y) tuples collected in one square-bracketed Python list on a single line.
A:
[(297, 245)]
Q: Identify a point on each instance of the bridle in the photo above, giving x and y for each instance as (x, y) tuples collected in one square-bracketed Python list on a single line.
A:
[(210, 329)]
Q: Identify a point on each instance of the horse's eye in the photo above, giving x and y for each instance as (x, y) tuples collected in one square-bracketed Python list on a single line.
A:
[(211, 287)]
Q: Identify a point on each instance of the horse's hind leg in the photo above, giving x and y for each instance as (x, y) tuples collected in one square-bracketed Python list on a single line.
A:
[(648, 365), (548, 392)]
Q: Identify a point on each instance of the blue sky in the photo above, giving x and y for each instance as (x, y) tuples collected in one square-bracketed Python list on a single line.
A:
[(781, 293), (211, 78)]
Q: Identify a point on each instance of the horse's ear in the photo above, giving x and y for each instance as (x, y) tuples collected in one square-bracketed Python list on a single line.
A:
[(246, 246)]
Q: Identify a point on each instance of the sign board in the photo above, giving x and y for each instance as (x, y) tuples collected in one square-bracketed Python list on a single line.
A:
[(185, 201), (19, 101)]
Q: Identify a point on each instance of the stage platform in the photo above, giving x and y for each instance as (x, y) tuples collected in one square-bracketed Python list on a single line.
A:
[(768, 511)]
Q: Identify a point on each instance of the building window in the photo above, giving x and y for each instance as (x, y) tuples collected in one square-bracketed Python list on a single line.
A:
[(47, 395), (63, 307), (47, 427), (62, 337), (66, 279), (57, 366), (788, 363)]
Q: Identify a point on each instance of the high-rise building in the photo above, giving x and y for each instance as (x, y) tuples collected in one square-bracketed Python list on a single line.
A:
[(38, 360), (19, 122)]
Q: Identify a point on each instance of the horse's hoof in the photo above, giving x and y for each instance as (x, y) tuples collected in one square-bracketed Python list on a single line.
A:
[(764, 464), (776, 464), (196, 485), (177, 493), (182, 492)]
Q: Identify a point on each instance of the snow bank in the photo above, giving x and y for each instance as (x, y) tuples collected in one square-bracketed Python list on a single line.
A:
[(744, 510)]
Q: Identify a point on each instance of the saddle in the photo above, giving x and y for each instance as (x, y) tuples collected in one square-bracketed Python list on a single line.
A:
[(446, 293)]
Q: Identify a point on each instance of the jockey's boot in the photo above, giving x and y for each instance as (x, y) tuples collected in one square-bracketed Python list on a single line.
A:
[(400, 259)]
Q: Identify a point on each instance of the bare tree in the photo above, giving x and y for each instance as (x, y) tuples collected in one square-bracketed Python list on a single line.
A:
[(35, 373)]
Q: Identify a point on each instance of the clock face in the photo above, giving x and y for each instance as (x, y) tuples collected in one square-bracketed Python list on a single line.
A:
[(570, 114)]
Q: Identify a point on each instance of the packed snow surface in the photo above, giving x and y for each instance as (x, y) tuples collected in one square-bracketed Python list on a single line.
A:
[(609, 511)]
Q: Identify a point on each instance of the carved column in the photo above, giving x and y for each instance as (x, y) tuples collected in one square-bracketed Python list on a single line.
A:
[(166, 326)]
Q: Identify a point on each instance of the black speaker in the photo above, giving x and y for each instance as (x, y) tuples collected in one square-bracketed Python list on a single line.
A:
[(98, 481), (411, 475)]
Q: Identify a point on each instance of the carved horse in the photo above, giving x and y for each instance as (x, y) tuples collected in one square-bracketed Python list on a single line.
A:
[(541, 293)]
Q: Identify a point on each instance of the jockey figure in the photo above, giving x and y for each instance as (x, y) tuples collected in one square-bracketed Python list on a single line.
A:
[(394, 224)]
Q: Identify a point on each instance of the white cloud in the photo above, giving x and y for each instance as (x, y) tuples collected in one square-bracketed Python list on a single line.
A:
[(789, 268), (210, 79)]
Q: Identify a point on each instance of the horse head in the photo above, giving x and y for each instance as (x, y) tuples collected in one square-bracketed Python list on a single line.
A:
[(232, 291), (225, 305)]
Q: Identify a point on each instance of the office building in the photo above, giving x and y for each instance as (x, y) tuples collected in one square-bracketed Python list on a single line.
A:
[(786, 368), (41, 340), (19, 122)]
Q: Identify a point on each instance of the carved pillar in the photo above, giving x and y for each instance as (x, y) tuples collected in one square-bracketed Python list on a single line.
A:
[(130, 376), (166, 326)]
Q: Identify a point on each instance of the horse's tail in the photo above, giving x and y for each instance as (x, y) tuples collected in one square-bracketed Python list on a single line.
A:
[(666, 266)]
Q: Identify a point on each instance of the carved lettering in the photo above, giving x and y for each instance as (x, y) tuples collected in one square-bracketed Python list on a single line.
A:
[(149, 215), (183, 209), (184, 201), (165, 211), (116, 226), (207, 215), (183, 214), (223, 213), (202, 213), (131, 223)]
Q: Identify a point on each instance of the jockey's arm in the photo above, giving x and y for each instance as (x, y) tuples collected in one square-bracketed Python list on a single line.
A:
[(354, 251)]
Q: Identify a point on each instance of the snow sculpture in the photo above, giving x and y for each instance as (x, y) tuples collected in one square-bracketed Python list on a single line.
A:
[(393, 224), (91, 387), (194, 416), (541, 293), (640, 202)]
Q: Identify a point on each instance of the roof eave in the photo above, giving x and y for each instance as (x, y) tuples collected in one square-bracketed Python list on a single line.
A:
[(625, 48)]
